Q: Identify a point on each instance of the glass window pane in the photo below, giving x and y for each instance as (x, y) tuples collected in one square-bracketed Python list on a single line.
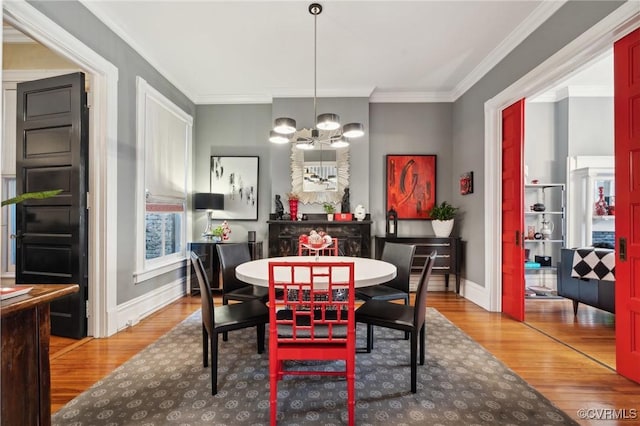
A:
[(163, 234)]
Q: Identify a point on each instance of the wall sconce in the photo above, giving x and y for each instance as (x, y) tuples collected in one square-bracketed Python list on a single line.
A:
[(209, 202)]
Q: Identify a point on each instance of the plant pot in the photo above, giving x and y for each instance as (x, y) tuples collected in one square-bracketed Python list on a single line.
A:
[(442, 228), (330, 217)]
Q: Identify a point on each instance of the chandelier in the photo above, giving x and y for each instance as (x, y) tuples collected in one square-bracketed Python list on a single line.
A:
[(327, 129)]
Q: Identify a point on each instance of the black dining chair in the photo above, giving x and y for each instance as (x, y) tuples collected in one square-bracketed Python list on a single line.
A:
[(232, 255), (400, 255), (410, 319), (222, 319)]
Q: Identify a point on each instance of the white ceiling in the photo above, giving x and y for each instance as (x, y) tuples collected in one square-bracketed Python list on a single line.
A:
[(390, 51)]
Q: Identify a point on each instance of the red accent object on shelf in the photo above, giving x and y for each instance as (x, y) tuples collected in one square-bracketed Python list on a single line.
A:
[(293, 209), (601, 206), (343, 217)]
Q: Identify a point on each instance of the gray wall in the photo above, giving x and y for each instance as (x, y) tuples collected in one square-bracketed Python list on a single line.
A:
[(590, 126), (77, 20), (394, 129), (301, 110), (233, 130), (409, 129), (570, 21), (539, 142)]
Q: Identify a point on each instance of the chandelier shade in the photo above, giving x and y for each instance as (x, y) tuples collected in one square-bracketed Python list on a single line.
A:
[(285, 125), (353, 130), (328, 121), (284, 128), (276, 137)]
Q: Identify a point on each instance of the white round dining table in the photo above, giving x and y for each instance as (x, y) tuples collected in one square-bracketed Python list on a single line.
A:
[(367, 272)]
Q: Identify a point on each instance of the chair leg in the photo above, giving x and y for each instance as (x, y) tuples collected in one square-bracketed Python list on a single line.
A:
[(351, 390), (273, 391), (369, 338), (205, 347), (214, 363), (260, 332), (422, 343), (414, 361), (406, 302), (225, 335)]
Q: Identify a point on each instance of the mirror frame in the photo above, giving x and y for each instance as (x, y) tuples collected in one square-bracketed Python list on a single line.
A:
[(297, 173)]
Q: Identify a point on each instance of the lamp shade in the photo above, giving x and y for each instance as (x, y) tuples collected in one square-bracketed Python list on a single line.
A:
[(328, 121), (353, 130), (208, 201)]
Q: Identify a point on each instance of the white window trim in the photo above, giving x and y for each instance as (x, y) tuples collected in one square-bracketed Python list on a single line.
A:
[(8, 270), (147, 269)]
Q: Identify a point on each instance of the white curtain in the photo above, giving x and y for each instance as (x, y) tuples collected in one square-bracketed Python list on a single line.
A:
[(166, 136)]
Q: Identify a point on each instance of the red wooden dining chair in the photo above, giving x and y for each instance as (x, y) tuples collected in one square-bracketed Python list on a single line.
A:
[(332, 250), (317, 322)]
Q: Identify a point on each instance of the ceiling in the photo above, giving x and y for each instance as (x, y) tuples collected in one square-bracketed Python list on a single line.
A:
[(389, 51)]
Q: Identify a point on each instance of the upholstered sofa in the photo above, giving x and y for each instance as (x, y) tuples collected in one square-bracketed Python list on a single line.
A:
[(597, 293)]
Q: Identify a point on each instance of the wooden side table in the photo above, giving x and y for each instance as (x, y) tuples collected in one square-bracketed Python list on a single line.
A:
[(26, 375)]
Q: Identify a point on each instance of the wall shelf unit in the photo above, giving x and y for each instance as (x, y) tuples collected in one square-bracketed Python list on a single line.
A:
[(544, 236)]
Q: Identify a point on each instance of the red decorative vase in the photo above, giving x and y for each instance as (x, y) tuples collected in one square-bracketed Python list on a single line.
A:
[(293, 209), (601, 207)]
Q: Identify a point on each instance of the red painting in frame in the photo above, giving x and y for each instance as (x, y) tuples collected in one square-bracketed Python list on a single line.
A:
[(411, 185)]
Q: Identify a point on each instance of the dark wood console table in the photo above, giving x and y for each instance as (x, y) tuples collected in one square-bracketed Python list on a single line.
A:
[(208, 253), (448, 258), (354, 237), (26, 375)]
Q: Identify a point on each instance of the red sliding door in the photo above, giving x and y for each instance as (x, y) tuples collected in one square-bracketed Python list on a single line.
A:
[(627, 150), (512, 211)]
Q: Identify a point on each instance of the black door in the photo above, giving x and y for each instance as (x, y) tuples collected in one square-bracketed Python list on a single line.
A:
[(52, 151)]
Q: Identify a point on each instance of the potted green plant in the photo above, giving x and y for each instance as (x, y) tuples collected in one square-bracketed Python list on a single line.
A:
[(329, 209), (31, 195), (442, 216)]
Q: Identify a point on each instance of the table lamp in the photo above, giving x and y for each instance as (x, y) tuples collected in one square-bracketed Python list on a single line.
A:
[(209, 202)]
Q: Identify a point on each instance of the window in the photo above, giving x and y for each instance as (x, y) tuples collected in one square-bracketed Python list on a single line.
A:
[(163, 229), (163, 144), (8, 228)]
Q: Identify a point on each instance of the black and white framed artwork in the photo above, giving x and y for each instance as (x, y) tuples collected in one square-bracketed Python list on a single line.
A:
[(237, 179)]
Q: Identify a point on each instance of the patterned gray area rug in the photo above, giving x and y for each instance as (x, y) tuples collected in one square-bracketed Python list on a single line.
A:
[(165, 384)]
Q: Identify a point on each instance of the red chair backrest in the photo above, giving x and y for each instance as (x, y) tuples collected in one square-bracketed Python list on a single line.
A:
[(319, 301), (332, 250)]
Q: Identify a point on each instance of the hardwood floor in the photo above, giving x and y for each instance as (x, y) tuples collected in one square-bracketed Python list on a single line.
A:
[(591, 332), (569, 379)]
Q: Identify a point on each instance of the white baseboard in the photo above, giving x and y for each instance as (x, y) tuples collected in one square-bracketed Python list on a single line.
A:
[(131, 312), (476, 293)]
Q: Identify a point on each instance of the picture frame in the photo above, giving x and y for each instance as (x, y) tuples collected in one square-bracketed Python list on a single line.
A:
[(237, 178), (466, 183), (410, 186)]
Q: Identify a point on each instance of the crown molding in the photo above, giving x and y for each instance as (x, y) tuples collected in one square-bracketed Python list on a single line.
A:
[(350, 92), (410, 97), (11, 35), (517, 36), (575, 92), (91, 5), (232, 99)]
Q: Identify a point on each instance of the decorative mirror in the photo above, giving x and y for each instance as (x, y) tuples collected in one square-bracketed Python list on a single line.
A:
[(321, 174)]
